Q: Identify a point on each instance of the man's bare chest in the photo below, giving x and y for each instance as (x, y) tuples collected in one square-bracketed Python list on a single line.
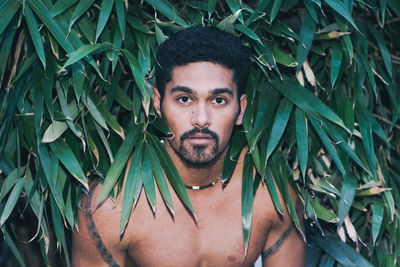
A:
[(214, 239)]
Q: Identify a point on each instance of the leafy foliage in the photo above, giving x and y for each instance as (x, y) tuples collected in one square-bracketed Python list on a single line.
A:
[(76, 82)]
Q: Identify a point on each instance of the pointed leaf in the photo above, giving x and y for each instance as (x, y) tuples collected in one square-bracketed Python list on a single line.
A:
[(348, 192), (35, 35), (377, 218), (119, 162), (68, 159), (341, 9), (12, 200), (279, 125), (247, 200), (105, 11), (302, 140), (86, 50)]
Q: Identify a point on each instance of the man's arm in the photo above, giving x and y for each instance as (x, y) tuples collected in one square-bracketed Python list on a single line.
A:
[(285, 245), (88, 246)]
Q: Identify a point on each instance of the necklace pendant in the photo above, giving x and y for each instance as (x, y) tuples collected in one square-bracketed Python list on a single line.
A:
[(196, 187)]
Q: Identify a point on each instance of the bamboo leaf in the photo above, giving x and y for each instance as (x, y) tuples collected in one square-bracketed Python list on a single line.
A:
[(35, 35), (336, 62), (269, 180), (119, 162), (148, 179), (133, 187), (383, 49), (247, 200), (302, 139), (279, 125), (306, 38), (347, 192), (305, 100), (275, 9), (10, 181), (168, 10), (60, 6), (159, 176), (377, 219), (171, 172), (342, 252), (80, 9), (7, 11), (68, 159), (105, 12), (119, 6), (87, 50), (10, 242), (341, 9), (364, 122), (327, 144), (12, 200)]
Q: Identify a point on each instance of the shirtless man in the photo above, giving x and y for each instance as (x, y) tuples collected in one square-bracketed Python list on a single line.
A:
[(201, 74)]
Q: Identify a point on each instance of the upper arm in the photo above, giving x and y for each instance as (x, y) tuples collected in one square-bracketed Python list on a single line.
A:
[(95, 243), (285, 245)]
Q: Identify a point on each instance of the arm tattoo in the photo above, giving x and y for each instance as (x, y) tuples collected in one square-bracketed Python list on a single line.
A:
[(94, 233), (274, 248)]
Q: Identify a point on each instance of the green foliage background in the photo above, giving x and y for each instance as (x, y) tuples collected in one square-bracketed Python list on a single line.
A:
[(76, 81)]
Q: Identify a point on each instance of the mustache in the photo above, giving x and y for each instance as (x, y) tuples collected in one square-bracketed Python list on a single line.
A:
[(194, 131)]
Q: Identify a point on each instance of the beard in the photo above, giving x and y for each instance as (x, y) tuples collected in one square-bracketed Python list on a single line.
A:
[(196, 156)]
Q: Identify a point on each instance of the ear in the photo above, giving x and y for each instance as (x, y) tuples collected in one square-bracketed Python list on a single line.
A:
[(243, 105), (157, 101)]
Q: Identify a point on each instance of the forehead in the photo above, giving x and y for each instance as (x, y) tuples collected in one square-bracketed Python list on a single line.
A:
[(202, 77)]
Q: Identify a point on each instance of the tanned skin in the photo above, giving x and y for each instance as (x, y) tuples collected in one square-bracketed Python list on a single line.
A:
[(200, 95)]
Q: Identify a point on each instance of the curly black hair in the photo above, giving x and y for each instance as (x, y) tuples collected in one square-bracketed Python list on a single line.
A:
[(202, 43)]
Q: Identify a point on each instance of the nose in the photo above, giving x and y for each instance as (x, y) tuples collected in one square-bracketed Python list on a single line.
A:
[(200, 116)]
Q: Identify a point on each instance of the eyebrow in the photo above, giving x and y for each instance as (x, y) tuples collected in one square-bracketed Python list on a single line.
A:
[(188, 90)]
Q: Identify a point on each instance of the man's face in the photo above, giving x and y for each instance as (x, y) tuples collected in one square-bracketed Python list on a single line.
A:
[(201, 107)]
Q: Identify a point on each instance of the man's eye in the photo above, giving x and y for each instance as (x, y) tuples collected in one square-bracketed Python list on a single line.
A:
[(219, 101), (184, 99)]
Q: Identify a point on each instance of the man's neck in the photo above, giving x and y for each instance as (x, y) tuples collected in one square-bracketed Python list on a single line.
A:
[(196, 176)]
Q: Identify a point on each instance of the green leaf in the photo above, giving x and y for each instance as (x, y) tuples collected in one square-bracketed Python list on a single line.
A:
[(306, 38), (87, 50), (348, 192), (279, 125), (341, 9), (148, 180), (247, 31), (341, 142), (323, 213), (10, 242), (302, 140), (159, 176), (377, 218), (275, 9), (327, 143), (339, 250), (269, 180), (105, 12), (247, 200), (119, 6), (68, 159), (305, 100), (10, 181), (12, 200), (119, 162), (336, 62), (364, 123), (211, 4), (80, 9), (60, 6), (133, 187), (137, 74), (171, 172), (35, 35), (7, 11), (168, 10), (383, 49)]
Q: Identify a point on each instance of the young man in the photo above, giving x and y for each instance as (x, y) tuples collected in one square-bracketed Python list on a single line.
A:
[(201, 74)]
